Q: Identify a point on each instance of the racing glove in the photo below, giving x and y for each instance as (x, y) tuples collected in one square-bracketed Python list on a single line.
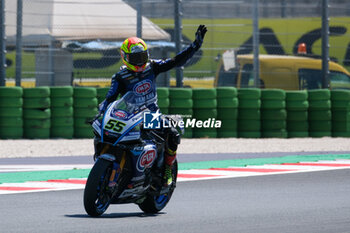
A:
[(197, 43)]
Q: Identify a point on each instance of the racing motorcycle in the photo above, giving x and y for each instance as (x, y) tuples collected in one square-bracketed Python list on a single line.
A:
[(130, 167)]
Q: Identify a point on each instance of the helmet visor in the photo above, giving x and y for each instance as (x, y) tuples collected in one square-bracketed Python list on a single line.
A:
[(137, 59)]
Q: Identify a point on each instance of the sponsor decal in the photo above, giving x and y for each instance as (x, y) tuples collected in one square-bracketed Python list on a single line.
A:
[(143, 88), (120, 114), (146, 160)]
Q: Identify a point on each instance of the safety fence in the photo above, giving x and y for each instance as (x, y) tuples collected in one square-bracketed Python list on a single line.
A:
[(62, 112)]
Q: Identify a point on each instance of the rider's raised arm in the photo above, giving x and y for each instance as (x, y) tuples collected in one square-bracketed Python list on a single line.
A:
[(181, 58)]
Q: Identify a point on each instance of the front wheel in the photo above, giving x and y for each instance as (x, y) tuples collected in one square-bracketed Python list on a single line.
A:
[(153, 204), (96, 195)]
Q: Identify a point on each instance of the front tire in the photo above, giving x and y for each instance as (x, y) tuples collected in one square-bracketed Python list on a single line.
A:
[(153, 204), (96, 198)]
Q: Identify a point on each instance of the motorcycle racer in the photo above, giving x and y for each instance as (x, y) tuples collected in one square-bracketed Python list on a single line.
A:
[(138, 75)]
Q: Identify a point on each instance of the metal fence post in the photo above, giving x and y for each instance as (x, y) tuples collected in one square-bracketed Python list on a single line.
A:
[(256, 42), (139, 19), (2, 44), (19, 43), (178, 40), (325, 44)]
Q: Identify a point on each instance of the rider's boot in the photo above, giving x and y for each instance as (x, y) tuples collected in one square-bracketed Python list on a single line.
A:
[(169, 161)]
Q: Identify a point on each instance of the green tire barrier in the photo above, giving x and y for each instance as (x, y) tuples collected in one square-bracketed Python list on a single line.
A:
[(181, 103), (298, 134), (162, 92), (11, 122), (37, 103), (227, 113), (204, 133), (230, 102), (249, 103), (249, 93), (204, 114), (227, 134), (341, 105), (296, 95), (273, 94), (37, 113), (227, 125), (340, 95), (275, 134), (11, 102), (273, 114), (37, 123), (44, 112), (204, 94), (320, 134), (37, 92), (297, 105), (226, 92), (341, 126), (204, 103), (249, 114), (320, 126), (249, 134), (62, 122), (341, 115), (320, 115), (180, 93), (9, 132), (63, 91), (341, 134), (268, 125), (273, 104), (11, 92), (188, 133), (297, 116), (90, 102), (320, 105), (83, 133), (61, 102), (62, 132), (297, 126), (84, 92), (62, 112), (33, 133), (81, 122), (163, 102), (322, 94)]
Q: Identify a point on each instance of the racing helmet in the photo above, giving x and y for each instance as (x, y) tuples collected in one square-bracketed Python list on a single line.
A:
[(134, 54)]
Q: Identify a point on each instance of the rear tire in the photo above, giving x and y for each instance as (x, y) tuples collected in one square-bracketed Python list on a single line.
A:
[(95, 201), (153, 204)]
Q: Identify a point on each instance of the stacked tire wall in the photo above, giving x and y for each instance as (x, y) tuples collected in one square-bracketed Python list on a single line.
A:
[(297, 106), (227, 111), (273, 113), (320, 114), (85, 108), (62, 112), (205, 109), (340, 113), (181, 103), (249, 115), (37, 112), (11, 121)]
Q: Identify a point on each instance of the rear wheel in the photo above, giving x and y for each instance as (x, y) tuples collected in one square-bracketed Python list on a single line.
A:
[(153, 204), (96, 195)]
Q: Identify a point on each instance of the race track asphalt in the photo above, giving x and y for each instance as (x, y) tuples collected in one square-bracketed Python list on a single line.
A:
[(303, 202)]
